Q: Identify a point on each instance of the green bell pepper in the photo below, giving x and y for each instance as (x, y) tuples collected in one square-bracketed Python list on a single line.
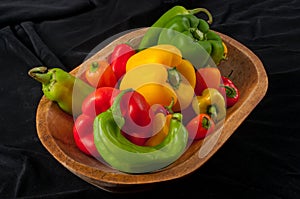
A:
[(62, 87), (127, 157), (194, 38), (151, 36)]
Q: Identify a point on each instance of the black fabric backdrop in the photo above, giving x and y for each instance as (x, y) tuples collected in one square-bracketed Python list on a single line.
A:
[(260, 160)]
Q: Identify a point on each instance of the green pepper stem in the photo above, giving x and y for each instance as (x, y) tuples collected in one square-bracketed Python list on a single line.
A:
[(206, 123), (174, 78), (94, 67), (116, 108), (198, 10), (230, 92), (170, 106), (212, 111), (228, 76), (40, 74)]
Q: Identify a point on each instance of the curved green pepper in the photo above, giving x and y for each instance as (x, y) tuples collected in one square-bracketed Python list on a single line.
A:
[(125, 156), (194, 38), (60, 86), (151, 36)]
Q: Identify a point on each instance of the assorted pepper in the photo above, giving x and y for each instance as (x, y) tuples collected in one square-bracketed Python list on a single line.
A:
[(193, 37), (151, 36), (58, 86), (232, 93), (100, 74), (211, 102), (130, 110), (83, 135), (200, 126), (190, 34), (119, 57)]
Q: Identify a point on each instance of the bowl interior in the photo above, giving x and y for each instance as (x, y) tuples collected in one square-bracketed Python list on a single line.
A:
[(54, 127)]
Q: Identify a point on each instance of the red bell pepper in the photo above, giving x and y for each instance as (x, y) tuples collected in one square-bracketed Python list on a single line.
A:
[(200, 126), (83, 135), (119, 57), (231, 91)]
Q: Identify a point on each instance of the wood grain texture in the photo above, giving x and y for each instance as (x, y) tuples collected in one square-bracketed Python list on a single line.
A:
[(54, 127)]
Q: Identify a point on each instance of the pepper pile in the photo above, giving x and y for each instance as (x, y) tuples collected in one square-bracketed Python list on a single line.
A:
[(138, 110)]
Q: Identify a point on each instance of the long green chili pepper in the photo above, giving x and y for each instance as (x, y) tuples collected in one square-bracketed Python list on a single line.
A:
[(127, 157), (151, 36), (62, 87)]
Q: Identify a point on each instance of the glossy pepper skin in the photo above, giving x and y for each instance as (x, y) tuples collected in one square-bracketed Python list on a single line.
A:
[(98, 101), (83, 135), (161, 125), (193, 37), (161, 71), (211, 102), (119, 57), (231, 91), (200, 126), (100, 74), (58, 85), (207, 77), (125, 156), (138, 115), (151, 36)]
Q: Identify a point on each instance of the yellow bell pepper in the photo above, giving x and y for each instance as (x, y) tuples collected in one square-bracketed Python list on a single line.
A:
[(161, 75), (159, 84), (164, 54), (211, 102), (161, 128)]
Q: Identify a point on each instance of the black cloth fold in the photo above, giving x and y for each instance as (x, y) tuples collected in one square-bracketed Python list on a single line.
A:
[(260, 160), (14, 12)]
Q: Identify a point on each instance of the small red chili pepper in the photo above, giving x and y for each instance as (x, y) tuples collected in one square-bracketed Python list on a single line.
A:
[(119, 57), (232, 92), (200, 126), (83, 135)]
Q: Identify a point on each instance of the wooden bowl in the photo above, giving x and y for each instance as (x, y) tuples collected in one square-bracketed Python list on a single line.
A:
[(54, 127)]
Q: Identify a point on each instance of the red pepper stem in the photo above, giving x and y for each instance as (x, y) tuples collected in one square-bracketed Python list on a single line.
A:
[(198, 10), (40, 74)]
